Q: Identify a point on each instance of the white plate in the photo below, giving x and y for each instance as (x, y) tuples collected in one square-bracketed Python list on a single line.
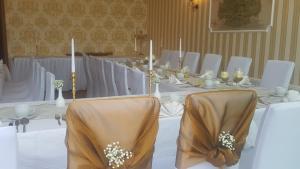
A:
[(31, 115), (276, 95), (247, 85), (209, 87)]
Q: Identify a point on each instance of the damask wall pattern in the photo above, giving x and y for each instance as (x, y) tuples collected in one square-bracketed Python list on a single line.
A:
[(45, 27)]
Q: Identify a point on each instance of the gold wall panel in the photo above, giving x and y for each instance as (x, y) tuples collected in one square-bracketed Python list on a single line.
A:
[(171, 19), (45, 27)]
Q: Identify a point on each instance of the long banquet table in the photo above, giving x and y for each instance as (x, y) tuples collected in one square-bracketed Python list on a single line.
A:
[(42, 146), (59, 66)]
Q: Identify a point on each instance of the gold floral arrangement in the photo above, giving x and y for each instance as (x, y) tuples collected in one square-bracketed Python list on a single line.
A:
[(238, 12), (116, 155)]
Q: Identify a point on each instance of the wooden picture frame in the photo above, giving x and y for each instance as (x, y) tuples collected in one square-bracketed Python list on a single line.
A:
[(241, 15)]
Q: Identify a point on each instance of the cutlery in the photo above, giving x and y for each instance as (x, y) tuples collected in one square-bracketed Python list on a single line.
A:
[(24, 122), (63, 117), (57, 117), (17, 123)]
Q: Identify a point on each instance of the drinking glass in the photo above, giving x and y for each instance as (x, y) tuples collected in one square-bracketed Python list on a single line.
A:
[(224, 76)]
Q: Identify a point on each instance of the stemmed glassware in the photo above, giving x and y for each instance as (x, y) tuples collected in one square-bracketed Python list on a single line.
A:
[(224, 76), (238, 76)]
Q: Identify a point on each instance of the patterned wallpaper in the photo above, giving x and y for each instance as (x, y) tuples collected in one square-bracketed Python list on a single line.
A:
[(45, 27)]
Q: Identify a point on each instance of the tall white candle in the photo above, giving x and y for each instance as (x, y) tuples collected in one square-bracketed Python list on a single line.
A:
[(150, 59), (73, 55), (180, 55)]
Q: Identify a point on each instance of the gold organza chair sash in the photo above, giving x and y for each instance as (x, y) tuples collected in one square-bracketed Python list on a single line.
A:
[(92, 125), (206, 116)]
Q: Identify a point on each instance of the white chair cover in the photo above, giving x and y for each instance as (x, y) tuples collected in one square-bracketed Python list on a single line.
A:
[(174, 59), (279, 137), (277, 73), (21, 68), (109, 78), (120, 72), (170, 56), (165, 57), (21, 91), (192, 61), (211, 62), (6, 73), (50, 89), (238, 62), (2, 79), (88, 75), (136, 82), (39, 91), (8, 148), (100, 86)]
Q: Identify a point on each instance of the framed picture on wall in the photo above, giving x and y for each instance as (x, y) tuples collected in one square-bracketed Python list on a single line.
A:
[(241, 15)]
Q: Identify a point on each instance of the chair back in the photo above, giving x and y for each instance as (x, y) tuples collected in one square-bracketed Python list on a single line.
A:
[(211, 62), (93, 125), (207, 118), (120, 72), (109, 78), (89, 79), (50, 89), (278, 138), (8, 147), (277, 73), (192, 61), (21, 68), (42, 85), (6, 73), (136, 82), (174, 59), (165, 57), (238, 62), (100, 83)]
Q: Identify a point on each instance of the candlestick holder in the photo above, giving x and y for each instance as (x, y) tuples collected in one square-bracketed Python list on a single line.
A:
[(180, 63), (74, 85), (150, 82)]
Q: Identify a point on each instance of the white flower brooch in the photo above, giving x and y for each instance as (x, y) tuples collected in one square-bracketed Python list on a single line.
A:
[(227, 140), (116, 155)]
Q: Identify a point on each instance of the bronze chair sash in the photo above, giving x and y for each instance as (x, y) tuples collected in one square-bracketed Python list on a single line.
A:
[(206, 116), (92, 125)]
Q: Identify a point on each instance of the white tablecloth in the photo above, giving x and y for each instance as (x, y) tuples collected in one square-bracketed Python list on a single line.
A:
[(44, 148), (59, 66)]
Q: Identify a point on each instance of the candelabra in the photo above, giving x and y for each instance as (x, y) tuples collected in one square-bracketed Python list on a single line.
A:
[(150, 82), (74, 85)]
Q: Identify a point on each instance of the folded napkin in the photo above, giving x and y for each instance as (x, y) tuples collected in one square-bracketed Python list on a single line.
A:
[(185, 70), (166, 66), (170, 109), (207, 75), (174, 80), (245, 81)]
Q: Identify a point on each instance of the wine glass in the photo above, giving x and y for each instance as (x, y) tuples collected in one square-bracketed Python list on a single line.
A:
[(224, 76), (238, 76)]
